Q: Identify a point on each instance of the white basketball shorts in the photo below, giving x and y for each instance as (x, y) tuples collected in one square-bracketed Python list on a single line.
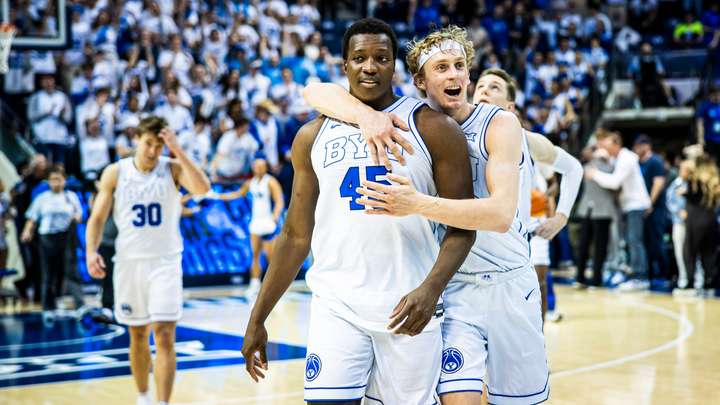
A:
[(262, 226), (492, 334), (346, 362), (148, 290)]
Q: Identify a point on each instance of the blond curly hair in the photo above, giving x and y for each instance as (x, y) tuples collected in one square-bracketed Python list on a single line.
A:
[(417, 46)]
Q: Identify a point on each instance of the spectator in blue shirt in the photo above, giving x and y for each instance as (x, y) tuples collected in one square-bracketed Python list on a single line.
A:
[(652, 167), (498, 30), (427, 17), (708, 123)]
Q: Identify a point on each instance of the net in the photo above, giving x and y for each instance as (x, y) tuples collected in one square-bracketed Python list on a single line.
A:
[(7, 32)]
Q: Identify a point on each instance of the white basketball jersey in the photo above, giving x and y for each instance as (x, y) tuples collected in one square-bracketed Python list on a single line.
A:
[(261, 198), (366, 263), (494, 251), (146, 211)]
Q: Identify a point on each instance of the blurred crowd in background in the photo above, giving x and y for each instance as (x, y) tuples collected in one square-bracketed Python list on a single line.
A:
[(227, 76)]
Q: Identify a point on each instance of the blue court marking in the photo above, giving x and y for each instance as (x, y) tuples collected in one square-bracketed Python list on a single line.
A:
[(66, 350)]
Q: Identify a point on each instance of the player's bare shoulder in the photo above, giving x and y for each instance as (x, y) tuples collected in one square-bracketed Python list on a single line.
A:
[(306, 135), (109, 177)]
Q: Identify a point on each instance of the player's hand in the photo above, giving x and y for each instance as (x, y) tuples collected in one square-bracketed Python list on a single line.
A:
[(414, 311), (589, 172), (26, 237), (399, 200), (253, 350), (168, 136), (380, 132), (95, 265), (551, 227)]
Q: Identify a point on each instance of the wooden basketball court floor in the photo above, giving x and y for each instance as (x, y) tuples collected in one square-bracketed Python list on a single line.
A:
[(610, 348)]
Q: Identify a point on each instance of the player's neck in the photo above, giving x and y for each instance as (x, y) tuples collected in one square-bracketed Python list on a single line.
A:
[(143, 168), (459, 114), (381, 103)]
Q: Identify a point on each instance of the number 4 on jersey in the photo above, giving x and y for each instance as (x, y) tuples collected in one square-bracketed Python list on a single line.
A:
[(351, 181)]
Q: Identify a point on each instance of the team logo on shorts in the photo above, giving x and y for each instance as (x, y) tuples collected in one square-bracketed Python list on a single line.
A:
[(313, 365), (452, 360), (126, 309)]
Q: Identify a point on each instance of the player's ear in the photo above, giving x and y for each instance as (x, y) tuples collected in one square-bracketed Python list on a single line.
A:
[(419, 81)]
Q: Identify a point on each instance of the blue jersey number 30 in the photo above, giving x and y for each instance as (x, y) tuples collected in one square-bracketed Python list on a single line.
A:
[(150, 214), (351, 181)]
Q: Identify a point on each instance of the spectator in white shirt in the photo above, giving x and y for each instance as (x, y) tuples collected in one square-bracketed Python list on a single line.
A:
[(177, 59), (196, 142), (235, 153), (288, 90), (49, 112), (94, 153), (156, 22), (634, 200), (52, 213), (266, 128), (99, 107), (255, 85), (176, 115)]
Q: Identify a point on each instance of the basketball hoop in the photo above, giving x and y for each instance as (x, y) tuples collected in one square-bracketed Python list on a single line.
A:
[(7, 32)]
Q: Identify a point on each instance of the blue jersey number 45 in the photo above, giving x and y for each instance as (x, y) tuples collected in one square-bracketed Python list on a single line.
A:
[(351, 181)]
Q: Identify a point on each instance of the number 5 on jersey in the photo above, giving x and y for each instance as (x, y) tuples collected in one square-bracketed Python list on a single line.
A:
[(351, 181), (150, 214)]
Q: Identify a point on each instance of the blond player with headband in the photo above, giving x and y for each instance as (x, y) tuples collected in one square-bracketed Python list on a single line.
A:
[(493, 324)]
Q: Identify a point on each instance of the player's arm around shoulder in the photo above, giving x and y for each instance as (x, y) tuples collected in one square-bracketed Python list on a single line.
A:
[(292, 246), (451, 171), (101, 209)]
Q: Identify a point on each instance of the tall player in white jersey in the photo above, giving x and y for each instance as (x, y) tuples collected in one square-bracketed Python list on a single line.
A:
[(438, 63), (376, 281), (497, 87), (143, 193)]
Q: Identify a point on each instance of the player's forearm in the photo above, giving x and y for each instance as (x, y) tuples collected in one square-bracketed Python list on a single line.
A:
[(93, 230), (482, 214), (334, 101), (656, 190), (197, 181), (572, 175), (453, 250), (294, 250)]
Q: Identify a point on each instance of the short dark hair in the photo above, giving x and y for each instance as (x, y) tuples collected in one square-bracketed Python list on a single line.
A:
[(151, 125), (369, 26), (57, 169)]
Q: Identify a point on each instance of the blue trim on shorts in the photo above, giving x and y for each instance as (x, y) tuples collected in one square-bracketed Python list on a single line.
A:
[(334, 400), (523, 396), (374, 399), (336, 388), (452, 392), (462, 379)]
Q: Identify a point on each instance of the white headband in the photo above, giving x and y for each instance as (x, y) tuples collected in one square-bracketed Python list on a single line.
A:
[(443, 46)]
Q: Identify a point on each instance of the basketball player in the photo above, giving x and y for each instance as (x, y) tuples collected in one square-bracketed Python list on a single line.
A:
[(376, 281), (143, 193), (487, 321), (495, 87), (267, 206)]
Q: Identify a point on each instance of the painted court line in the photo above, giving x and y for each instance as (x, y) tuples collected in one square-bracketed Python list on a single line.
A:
[(687, 329)]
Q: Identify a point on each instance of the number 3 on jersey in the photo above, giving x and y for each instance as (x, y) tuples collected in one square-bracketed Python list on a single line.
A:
[(150, 214), (351, 181)]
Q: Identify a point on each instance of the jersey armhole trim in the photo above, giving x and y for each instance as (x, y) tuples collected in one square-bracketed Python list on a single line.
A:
[(415, 133), (483, 133)]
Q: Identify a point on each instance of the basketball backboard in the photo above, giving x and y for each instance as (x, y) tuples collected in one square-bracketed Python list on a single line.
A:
[(39, 24)]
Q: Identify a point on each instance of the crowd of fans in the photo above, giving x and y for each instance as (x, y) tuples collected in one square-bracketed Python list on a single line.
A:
[(227, 76)]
